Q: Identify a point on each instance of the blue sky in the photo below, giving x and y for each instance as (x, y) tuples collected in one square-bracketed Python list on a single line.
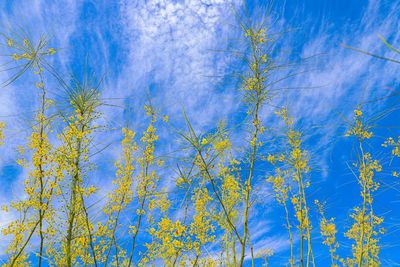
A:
[(178, 53)]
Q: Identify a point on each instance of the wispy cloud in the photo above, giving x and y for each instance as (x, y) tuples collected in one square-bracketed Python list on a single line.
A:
[(171, 47)]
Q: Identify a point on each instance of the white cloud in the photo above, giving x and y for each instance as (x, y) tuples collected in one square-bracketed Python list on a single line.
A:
[(170, 45)]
